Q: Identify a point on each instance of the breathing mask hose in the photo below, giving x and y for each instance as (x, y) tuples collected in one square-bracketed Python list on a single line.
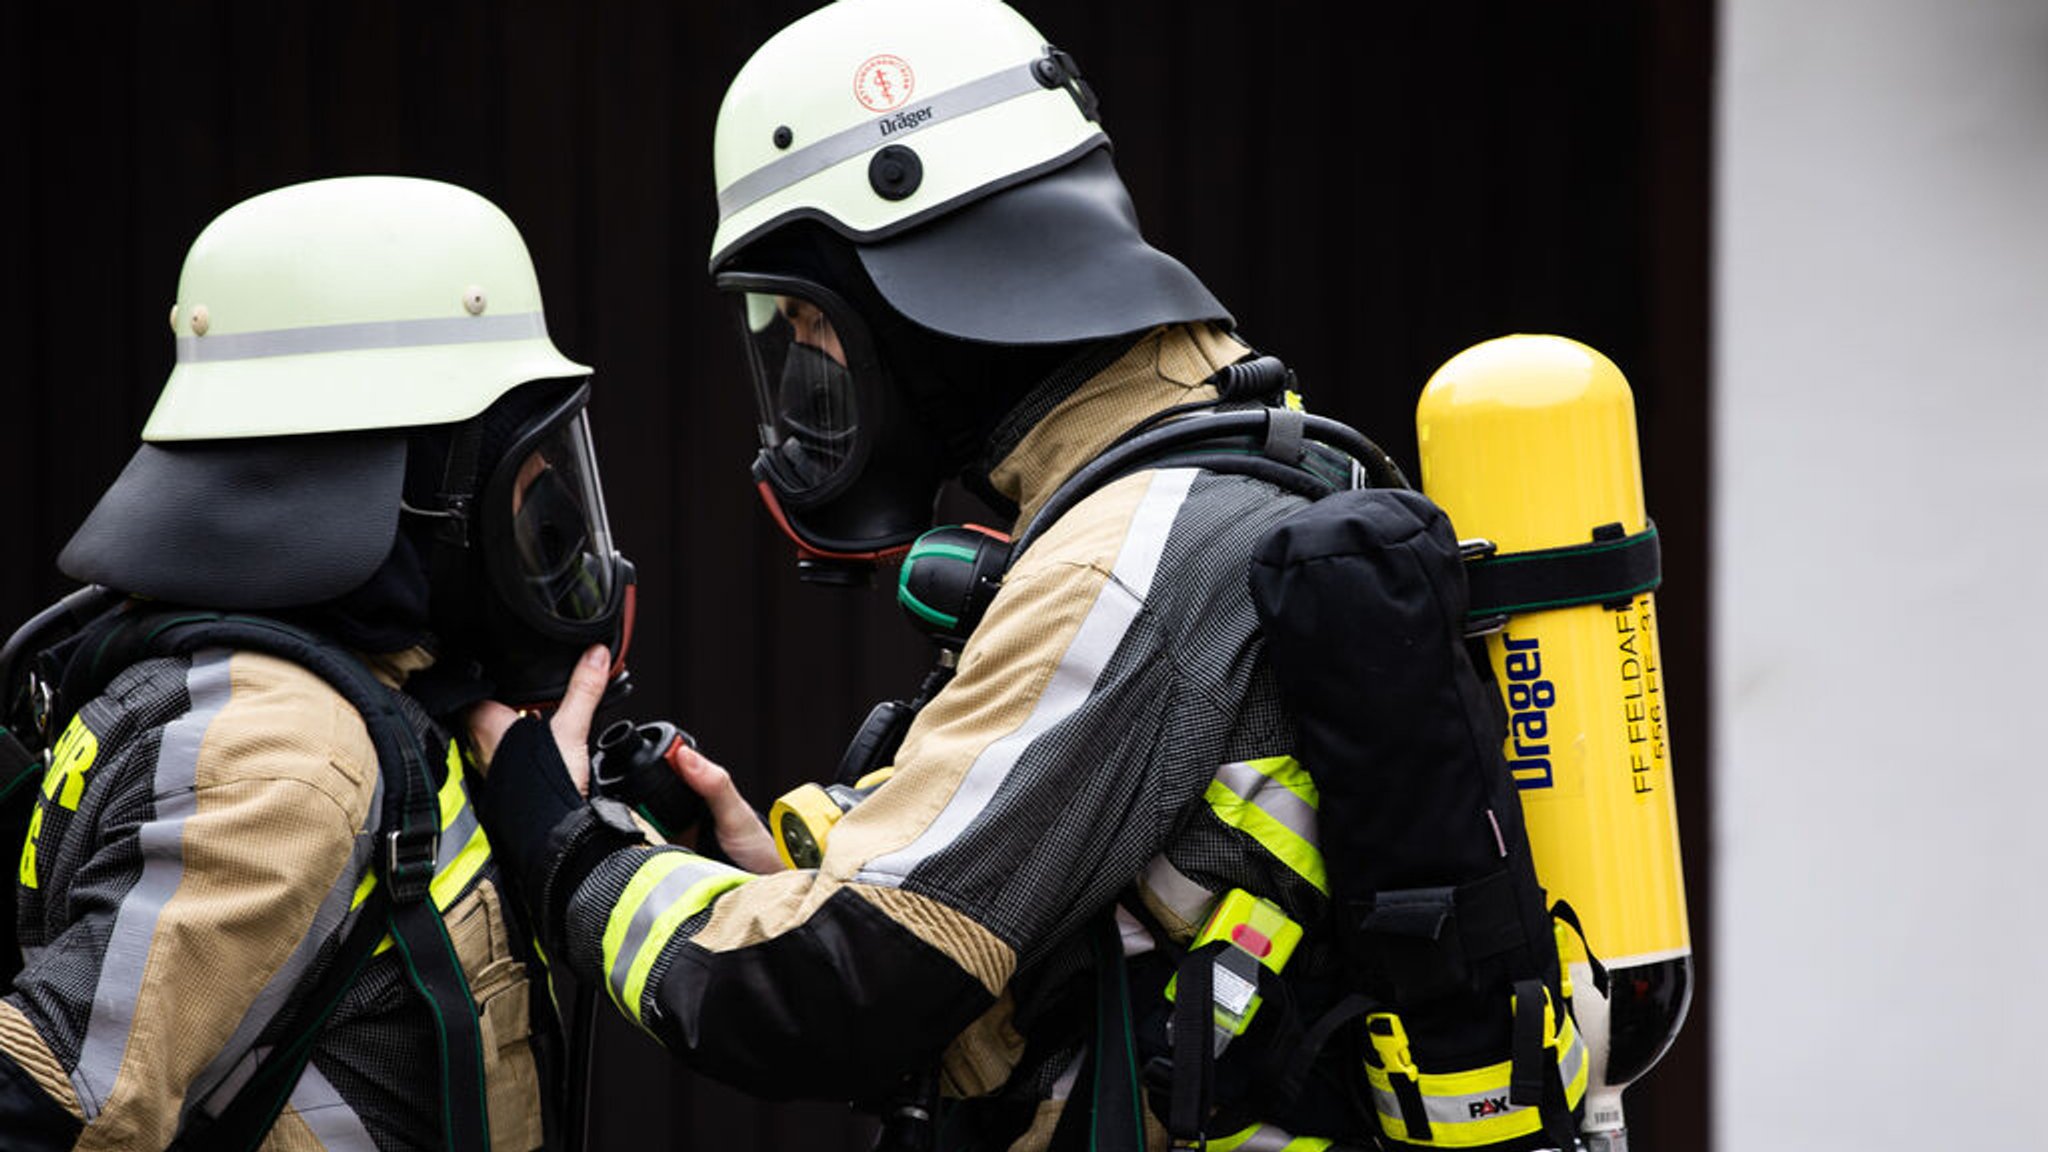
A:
[(636, 765), (1528, 443)]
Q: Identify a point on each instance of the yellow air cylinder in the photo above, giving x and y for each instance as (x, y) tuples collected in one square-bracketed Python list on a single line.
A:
[(1529, 441)]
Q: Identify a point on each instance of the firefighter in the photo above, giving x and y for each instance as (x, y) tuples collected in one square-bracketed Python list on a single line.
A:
[(938, 273), (369, 442)]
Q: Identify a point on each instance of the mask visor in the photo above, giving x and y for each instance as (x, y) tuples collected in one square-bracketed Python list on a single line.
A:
[(560, 540), (806, 354)]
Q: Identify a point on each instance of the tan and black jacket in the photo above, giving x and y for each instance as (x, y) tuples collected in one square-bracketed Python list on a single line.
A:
[(1111, 729), (202, 841)]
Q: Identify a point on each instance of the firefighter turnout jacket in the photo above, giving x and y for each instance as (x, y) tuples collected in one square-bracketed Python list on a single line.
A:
[(1112, 734), (202, 841)]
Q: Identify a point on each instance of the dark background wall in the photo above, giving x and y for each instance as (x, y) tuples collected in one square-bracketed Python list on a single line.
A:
[(1367, 201)]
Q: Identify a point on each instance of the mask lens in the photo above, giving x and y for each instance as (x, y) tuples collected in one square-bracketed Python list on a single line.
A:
[(560, 538), (810, 419)]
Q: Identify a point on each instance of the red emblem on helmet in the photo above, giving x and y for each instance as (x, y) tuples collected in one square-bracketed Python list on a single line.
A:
[(883, 83)]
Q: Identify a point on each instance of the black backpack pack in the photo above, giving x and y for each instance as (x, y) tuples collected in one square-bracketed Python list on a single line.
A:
[(1452, 997), (69, 652)]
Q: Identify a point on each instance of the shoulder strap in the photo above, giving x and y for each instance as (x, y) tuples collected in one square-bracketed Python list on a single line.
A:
[(1285, 447), (410, 831)]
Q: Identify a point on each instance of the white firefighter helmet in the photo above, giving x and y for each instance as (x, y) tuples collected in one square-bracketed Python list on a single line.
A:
[(961, 156), (334, 337), (352, 303), (872, 114)]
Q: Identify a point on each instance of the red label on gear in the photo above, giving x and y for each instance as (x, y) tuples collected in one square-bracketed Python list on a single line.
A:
[(883, 83), (1251, 940)]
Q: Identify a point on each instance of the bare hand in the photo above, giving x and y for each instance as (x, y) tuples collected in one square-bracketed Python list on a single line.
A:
[(741, 835), (570, 722)]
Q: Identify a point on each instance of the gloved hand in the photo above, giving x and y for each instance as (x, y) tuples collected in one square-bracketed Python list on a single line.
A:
[(570, 723), (533, 775)]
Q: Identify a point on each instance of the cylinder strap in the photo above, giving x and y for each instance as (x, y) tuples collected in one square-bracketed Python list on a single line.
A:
[(1611, 569)]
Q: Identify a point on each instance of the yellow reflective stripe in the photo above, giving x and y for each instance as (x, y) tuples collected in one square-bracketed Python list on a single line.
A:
[(456, 868), (1470, 1108), (453, 795), (1447, 1131), (1277, 838), (1287, 772), (456, 874), (1266, 1138), (643, 883), (693, 901), (668, 888), (1576, 1062), (363, 889)]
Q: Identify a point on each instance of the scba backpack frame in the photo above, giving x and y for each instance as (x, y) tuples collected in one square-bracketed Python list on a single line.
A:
[(1453, 998)]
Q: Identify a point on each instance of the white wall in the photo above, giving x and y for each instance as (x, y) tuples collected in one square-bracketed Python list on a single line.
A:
[(1881, 575)]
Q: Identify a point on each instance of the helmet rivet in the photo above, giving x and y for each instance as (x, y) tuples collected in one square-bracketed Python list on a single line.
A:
[(174, 317), (201, 320), (783, 136), (895, 172), (473, 300)]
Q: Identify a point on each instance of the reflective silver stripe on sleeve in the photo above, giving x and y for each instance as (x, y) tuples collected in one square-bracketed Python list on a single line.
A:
[(327, 1115), (1268, 1138), (361, 337), (1271, 797), (1265, 1138), (216, 1085), (1071, 683), (1135, 937), (1180, 895), (688, 871), (847, 143), (1063, 1086), (161, 840)]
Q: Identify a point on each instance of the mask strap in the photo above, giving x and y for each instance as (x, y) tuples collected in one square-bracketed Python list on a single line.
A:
[(447, 568), (458, 484)]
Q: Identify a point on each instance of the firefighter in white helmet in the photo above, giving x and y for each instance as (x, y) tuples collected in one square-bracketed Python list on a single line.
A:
[(366, 497), (938, 273)]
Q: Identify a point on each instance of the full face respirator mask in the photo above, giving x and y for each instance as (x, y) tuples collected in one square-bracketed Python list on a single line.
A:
[(526, 575)]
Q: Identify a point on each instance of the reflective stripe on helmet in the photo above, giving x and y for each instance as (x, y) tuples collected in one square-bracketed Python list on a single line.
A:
[(361, 337), (847, 143), (667, 889)]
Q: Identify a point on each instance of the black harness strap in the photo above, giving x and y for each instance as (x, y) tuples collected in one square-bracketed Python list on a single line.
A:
[(1610, 569), (422, 938), (249, 1117), (1525, 1077), (1194, 1058), (1118, 1122)]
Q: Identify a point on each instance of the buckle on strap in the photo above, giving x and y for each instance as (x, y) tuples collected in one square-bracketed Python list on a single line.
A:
[(1610, 569), (411, 858), (1389, 1038)]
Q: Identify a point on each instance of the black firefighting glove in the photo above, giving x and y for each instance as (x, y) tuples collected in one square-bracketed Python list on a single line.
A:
[(544, 835)]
